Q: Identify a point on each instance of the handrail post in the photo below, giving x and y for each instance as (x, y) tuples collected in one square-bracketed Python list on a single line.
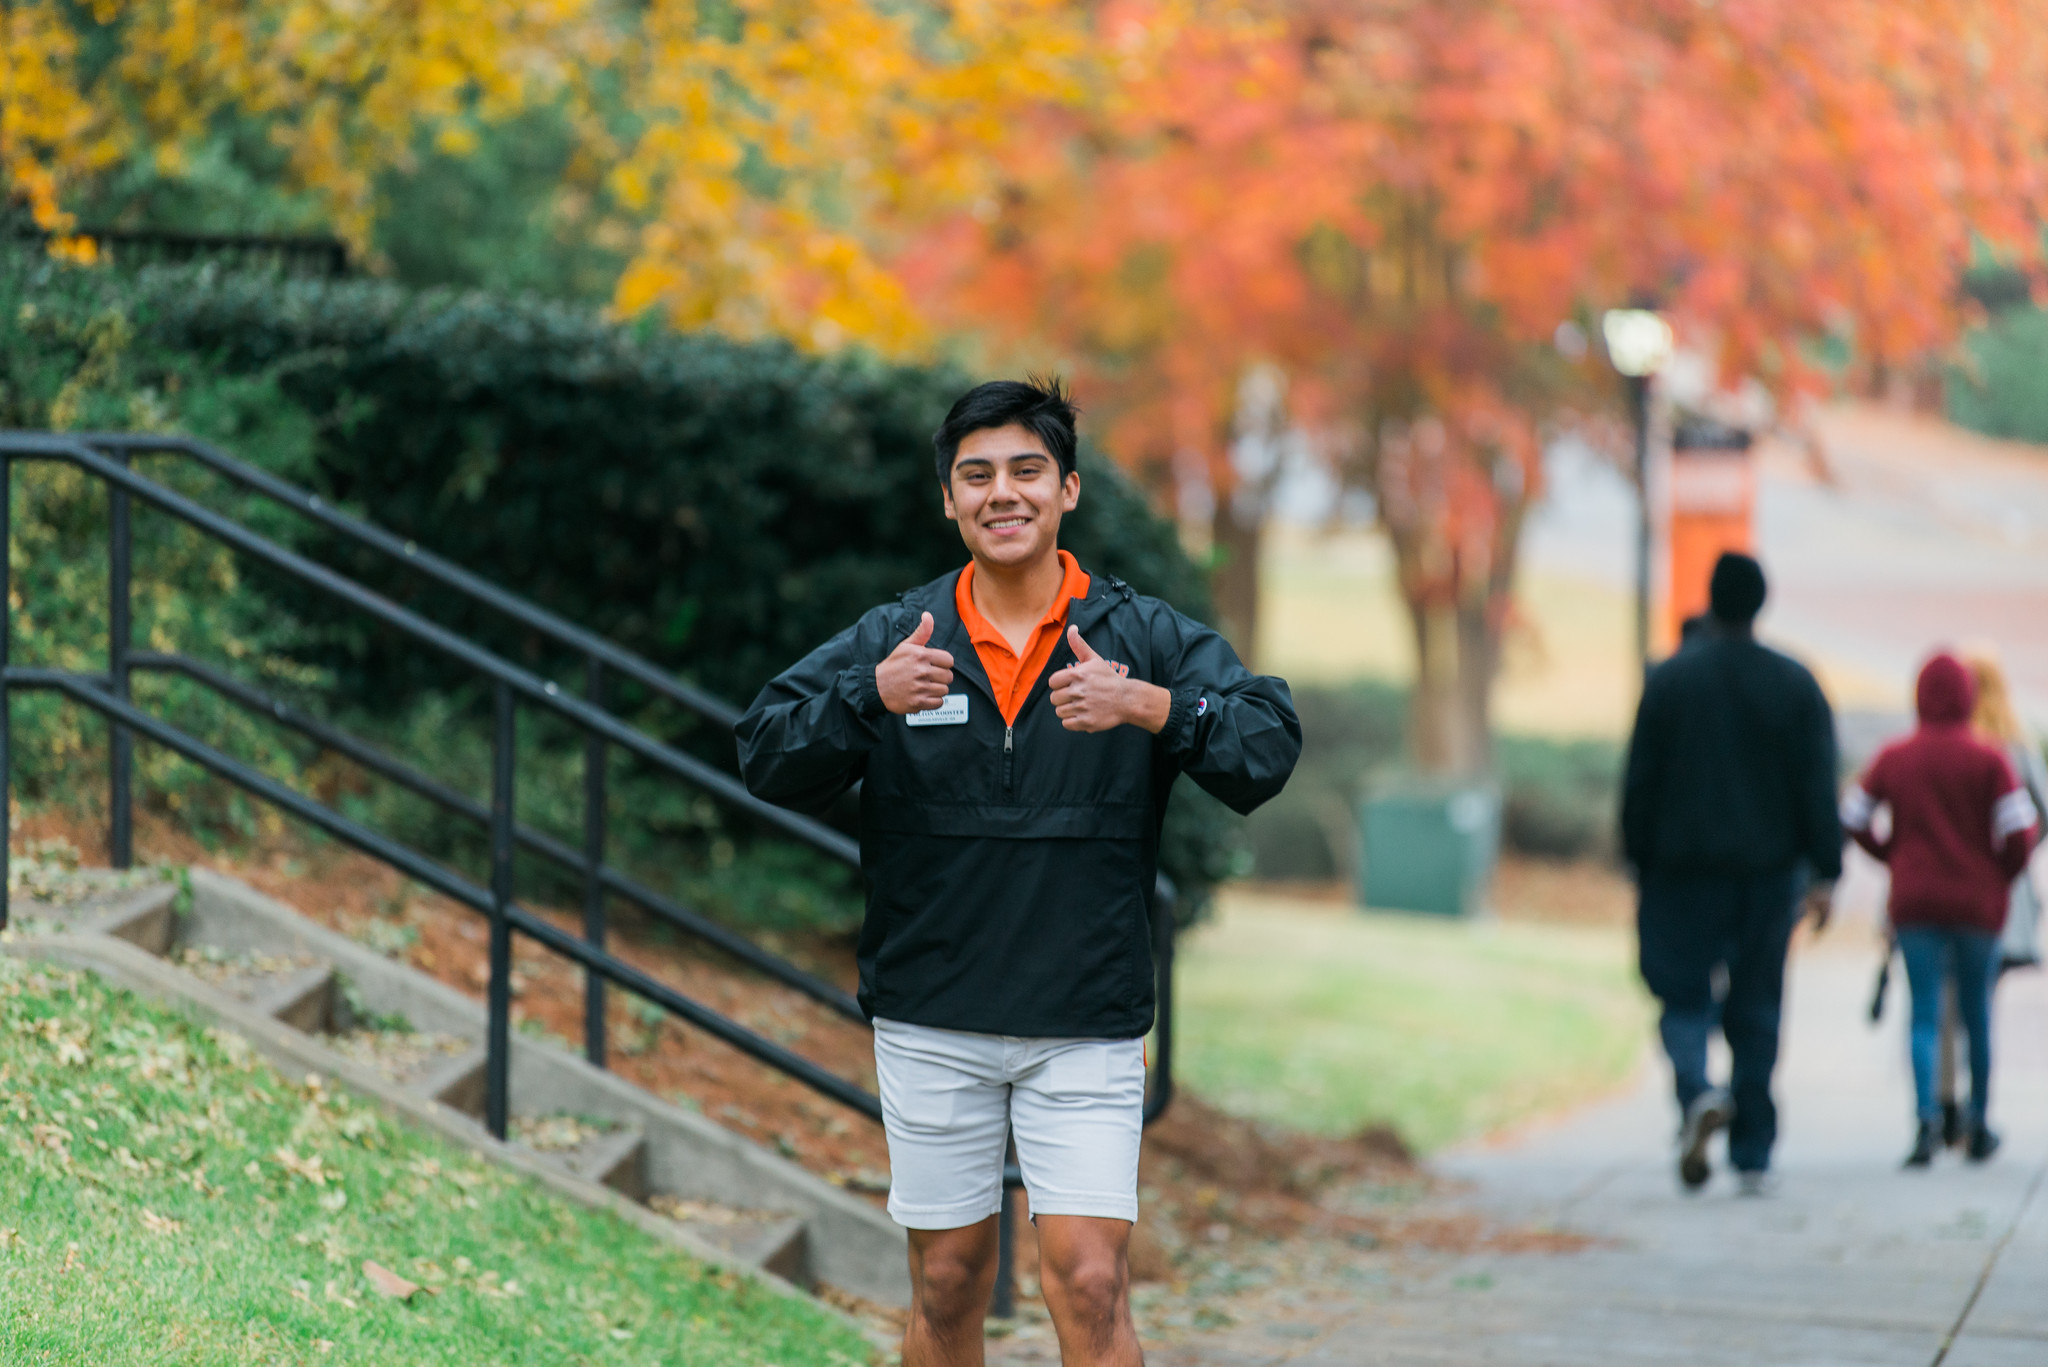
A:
[(498, 1040), (120, 639), (1165, 901), (595, 760), (1003, 1304), (6, 691)]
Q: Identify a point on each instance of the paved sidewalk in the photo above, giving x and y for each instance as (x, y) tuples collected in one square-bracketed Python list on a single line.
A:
[(1850, 1261)]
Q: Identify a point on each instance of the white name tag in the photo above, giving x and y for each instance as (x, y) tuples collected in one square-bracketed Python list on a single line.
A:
[(951, 712)]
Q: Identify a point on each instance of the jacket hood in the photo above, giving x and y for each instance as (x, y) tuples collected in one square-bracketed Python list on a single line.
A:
[(1946, 692)]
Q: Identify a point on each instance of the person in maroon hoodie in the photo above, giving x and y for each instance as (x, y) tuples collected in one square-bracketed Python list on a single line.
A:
[(1961, 828)]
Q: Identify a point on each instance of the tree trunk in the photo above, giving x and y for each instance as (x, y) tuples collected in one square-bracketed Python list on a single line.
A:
[(1458, 623), (1449, 713), (1234, 581)]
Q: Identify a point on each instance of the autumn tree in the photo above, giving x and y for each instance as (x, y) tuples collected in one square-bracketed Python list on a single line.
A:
[(1398, 202), (759, 153)]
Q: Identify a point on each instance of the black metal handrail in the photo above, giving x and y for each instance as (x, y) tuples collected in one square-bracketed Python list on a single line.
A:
[(89, 690), (557, 852), (599, 655), (443, 571), (107, 693), (526, 684)]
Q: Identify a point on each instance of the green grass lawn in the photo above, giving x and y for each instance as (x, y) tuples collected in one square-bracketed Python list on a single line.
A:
[(165, 1197), (1324, 1019)]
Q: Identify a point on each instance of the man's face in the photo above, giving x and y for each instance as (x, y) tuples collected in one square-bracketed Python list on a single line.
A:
[(1007, 495)]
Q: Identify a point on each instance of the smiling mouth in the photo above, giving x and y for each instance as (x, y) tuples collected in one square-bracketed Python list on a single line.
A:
[(1005, 524)]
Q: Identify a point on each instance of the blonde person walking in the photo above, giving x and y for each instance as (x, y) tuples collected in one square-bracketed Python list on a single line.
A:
[(1997, 722)]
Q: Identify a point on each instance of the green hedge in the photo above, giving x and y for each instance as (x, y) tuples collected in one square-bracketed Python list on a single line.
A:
[(717, 506), (1560, 798)]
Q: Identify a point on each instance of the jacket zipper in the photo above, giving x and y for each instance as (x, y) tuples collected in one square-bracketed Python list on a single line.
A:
[(1008, 736)]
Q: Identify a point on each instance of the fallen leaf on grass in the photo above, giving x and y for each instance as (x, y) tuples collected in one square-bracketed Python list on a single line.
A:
[(389, 1283), (10, 1237), (311, 1168), (158, 1224)]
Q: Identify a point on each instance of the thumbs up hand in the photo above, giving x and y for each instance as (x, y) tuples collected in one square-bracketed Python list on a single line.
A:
[(1092, 694), (915, 677)]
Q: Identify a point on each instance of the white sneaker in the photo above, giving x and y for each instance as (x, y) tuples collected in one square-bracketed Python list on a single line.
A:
[(1709, 1112)]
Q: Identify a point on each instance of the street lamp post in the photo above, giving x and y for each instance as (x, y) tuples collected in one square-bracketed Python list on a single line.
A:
[(1639, 343)]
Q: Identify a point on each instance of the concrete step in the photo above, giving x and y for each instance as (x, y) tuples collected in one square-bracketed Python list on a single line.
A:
[(298, 989), (761, 1238), (459, 1082), (377, 1018), (614, 1156), (444, 1068), (144, 916)]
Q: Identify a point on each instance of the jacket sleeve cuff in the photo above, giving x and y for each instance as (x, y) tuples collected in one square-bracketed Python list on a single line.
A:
[(857, 685), (1188, 707)]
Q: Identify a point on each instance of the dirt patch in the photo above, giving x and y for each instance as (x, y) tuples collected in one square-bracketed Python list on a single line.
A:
[(1582, 892), (1574, 892)]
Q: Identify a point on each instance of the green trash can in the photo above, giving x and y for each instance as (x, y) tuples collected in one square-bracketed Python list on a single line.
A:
[(1429, 844)]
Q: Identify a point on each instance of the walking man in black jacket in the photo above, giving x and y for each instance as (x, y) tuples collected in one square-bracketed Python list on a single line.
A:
[(1728, 816), (1015, 727)]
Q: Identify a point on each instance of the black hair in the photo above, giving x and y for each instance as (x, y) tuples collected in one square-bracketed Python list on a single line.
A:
[(1040, 406), (1737, 589)]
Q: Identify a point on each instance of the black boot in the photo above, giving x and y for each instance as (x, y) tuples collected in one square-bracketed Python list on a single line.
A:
[(1925, 1145), (1953, 1130), (1983, 1143)]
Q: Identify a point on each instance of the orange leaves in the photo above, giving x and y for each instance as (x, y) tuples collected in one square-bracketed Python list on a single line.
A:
[(1405, 193)]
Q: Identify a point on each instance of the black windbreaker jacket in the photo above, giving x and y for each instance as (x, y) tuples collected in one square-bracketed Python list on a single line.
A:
[(1731, 767), (1010, 869)]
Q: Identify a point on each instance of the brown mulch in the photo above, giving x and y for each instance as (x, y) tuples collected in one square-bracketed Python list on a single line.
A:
[(1583, 892), (1572, 892)]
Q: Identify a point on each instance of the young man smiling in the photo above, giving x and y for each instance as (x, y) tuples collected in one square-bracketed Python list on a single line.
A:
[(1015, 727)]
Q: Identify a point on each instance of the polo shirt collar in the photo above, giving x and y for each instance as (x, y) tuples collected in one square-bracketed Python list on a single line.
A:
[(1075, 583)]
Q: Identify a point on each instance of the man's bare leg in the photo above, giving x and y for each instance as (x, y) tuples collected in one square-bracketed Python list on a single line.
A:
[(952, 1273), (1084, 1271)]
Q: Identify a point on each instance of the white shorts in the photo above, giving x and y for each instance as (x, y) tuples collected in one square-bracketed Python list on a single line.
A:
[(950, 1097)]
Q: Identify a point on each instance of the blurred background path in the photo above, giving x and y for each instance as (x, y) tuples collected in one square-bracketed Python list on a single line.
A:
[(1911, 532), (1850, 1261), (1916, 532)]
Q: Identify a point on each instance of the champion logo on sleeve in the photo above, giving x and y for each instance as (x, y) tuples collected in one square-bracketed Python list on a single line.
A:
[(1201, 707)]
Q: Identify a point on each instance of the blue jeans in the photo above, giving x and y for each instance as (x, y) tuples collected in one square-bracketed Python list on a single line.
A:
[(1970, 957), (1691, 926)]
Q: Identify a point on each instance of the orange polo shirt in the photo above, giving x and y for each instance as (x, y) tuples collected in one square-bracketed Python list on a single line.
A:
[(1009, 677)]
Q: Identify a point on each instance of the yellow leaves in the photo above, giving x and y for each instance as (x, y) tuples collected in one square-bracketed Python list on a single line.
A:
[(774, 164), (48, 127), (775, 153), (456, 140)]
